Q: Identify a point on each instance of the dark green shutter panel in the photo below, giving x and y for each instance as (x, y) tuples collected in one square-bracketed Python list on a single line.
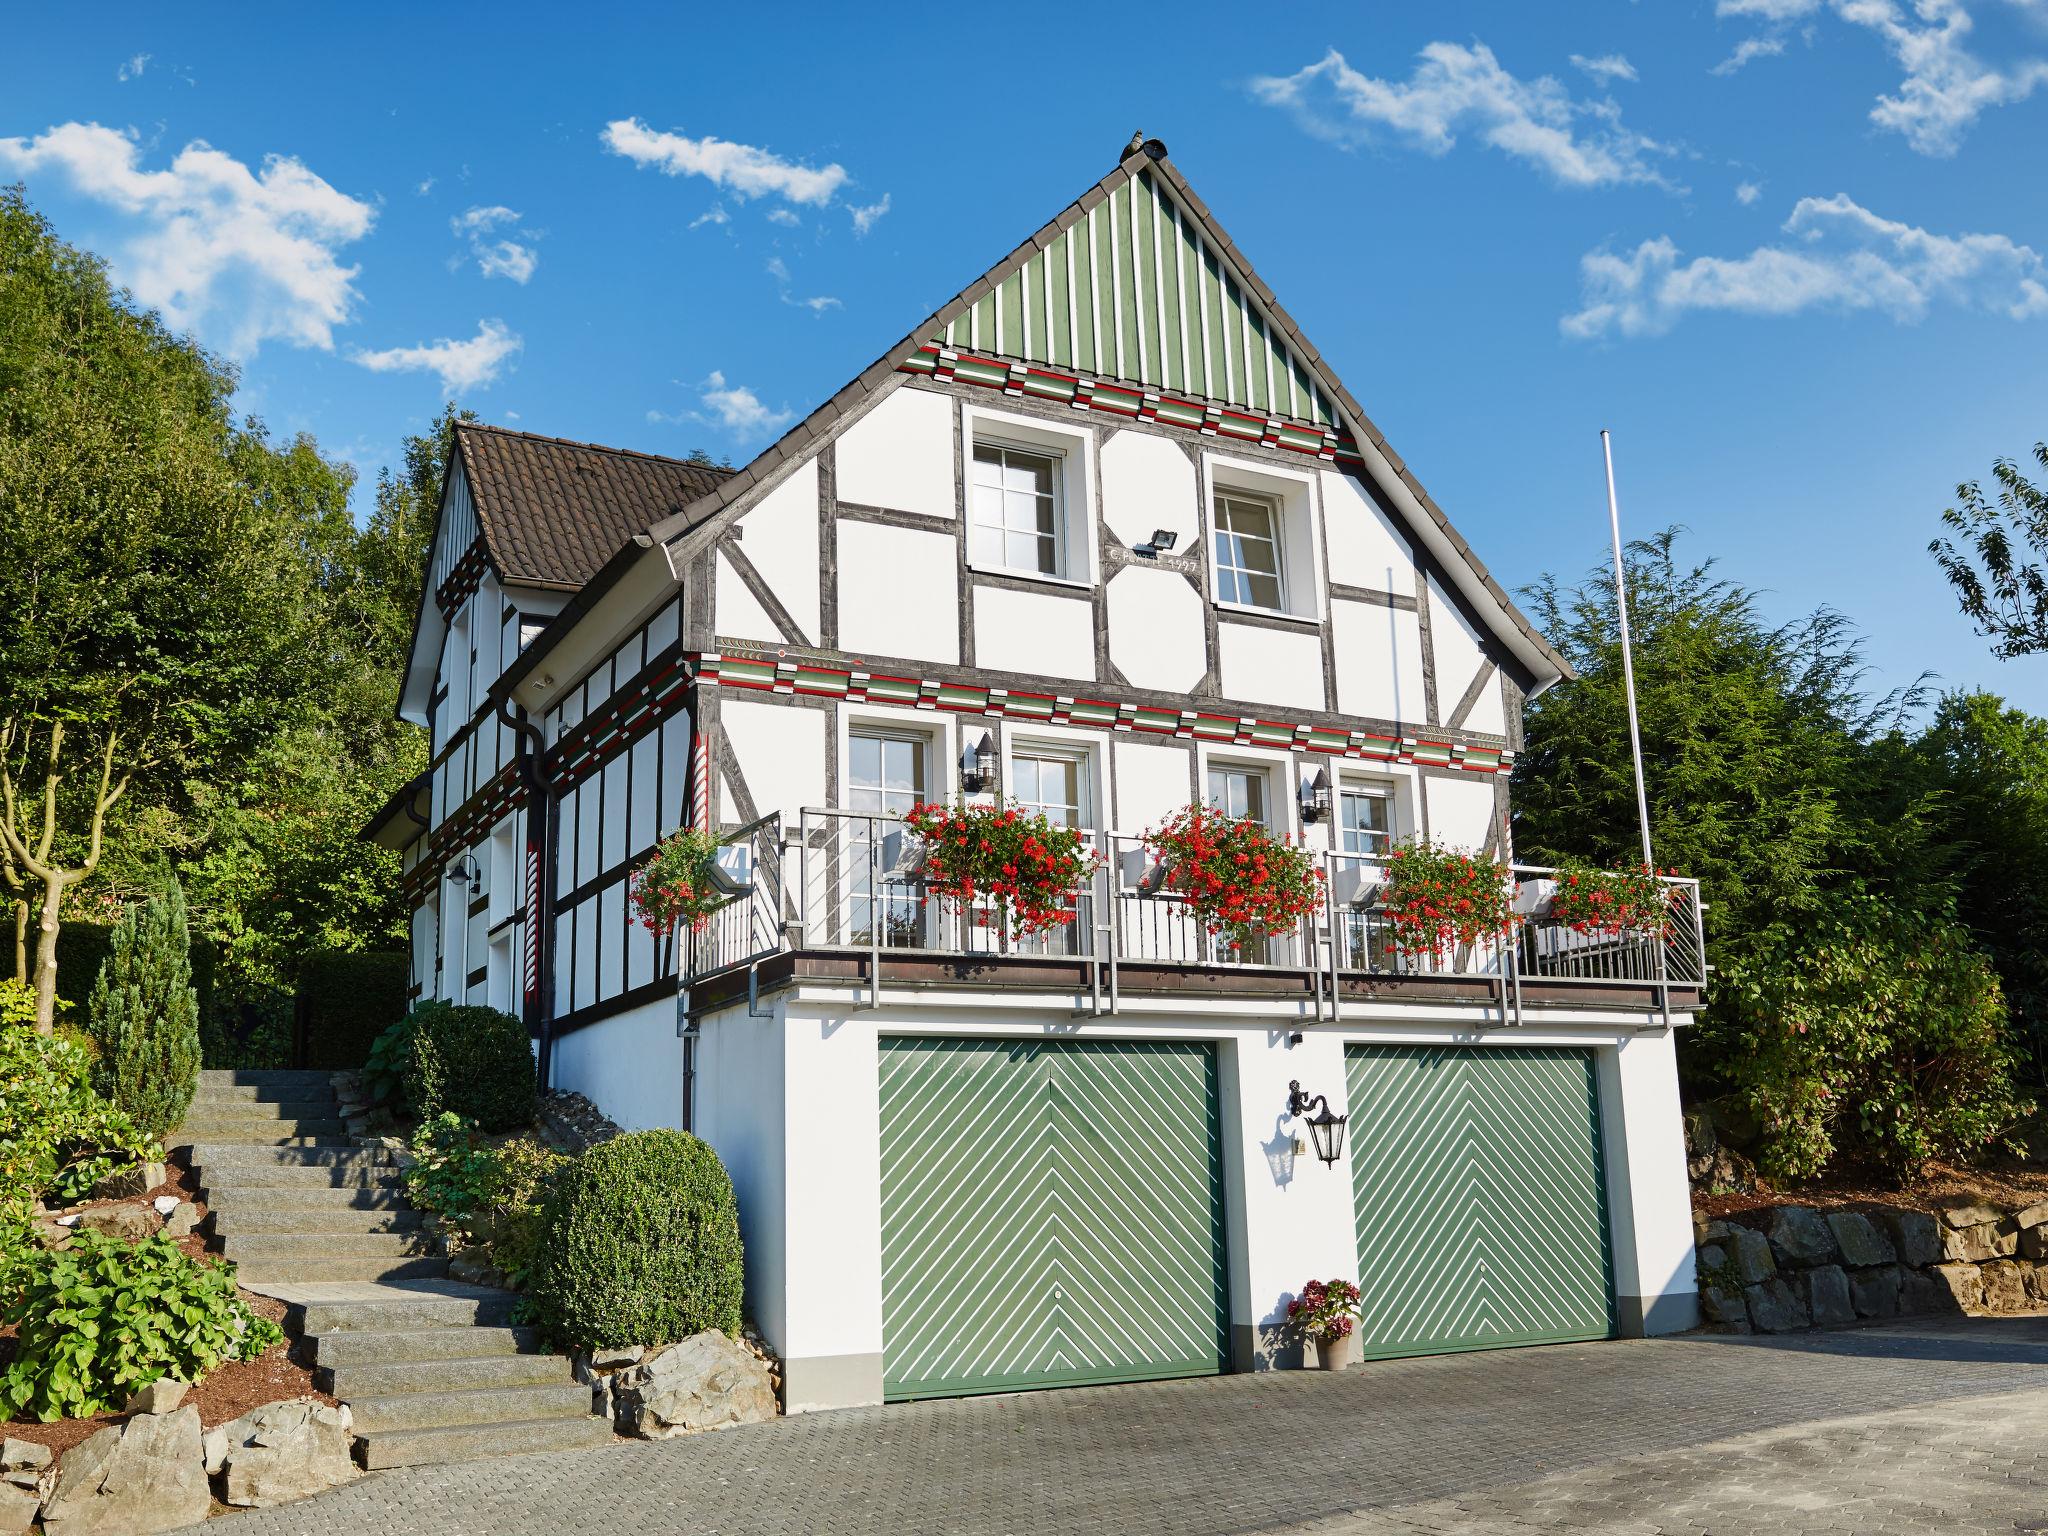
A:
[(1051, 1214), (1481, 1198)]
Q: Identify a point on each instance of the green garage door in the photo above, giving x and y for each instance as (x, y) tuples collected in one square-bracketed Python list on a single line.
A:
[(1051, 1214), (1482, 1208)]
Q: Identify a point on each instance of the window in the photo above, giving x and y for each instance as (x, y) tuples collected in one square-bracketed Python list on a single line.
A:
[(885, 778), (1248, 564), (1015, 519), (1238, 792), (1364, 822), (1050, 784)]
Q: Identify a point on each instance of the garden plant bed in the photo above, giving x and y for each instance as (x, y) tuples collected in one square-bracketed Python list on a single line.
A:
[(1941, 1187)]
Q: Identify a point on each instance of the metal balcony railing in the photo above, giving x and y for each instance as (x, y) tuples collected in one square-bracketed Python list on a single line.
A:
[(852, 881)]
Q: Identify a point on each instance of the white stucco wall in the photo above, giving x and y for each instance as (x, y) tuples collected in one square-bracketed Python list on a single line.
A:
[(1036, 633), (1461, 811), (1271, 666), (781, 751), (1364, 549), (739, 612), (780, 537), (899, 592), (738, 1101), (1379, 661), (1156, 629), (630, 1066), (1152, 782), (1456, 645), (1649, 1200), (1148, 483), (900, 455)]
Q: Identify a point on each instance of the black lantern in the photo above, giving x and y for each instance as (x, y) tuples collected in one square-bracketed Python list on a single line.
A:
[(978, 766), (1325, 1130), (1315, 798), (466, 871)]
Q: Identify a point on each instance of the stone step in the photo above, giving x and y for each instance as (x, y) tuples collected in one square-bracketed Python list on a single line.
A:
[(209, 1155), (237, 1220), (473, 1442), (225, 1180), (485, 1405), (290, 1268), (466, 1373), (322, 1310), (246, 1199), (206, 1107), (364, 1347), (198, 1131), (279, 1247), (266, 1077)]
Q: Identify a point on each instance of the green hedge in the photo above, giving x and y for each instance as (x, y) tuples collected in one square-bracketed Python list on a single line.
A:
[(643, 1245), (473, 1062), (347, 1000), (83, 947)]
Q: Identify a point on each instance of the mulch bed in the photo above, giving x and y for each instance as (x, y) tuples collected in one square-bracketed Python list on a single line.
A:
[(228, 1393), (1941, 1187)]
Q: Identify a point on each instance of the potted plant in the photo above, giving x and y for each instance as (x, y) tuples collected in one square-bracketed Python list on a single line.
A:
[(1240, 881), (1439, 899), (1327, 1311), (1022, 867), (675, 885), (1613, 902)]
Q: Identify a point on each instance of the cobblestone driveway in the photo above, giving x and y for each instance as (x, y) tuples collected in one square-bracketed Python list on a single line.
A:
[(1906, 1428)]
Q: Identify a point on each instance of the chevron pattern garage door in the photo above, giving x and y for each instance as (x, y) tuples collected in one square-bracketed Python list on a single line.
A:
[(1482, 1210), (1051, 1214)]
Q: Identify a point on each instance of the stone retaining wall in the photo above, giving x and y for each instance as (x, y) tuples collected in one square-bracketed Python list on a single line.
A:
[(1789, 1267)]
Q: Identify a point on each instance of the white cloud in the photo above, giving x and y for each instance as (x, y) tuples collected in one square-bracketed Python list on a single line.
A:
[(1843, 258), (867, 216), (738, 409), (1747, 193), (461, 365), (497, 255), (132, 68), (1608, 66), (779, 270), (783, 216), (741, 169), (1456, 89), (715, 214), (424, 187), (1944, 87), (1748, 50), (236, 256)]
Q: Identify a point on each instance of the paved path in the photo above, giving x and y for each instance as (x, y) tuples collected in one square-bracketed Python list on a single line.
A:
[(1906, 1428)]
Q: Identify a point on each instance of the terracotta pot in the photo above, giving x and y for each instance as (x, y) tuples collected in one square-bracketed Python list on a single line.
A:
[(1333, 1351)]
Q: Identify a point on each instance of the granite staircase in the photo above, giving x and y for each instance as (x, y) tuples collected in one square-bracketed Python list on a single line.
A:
[(432, 1369)]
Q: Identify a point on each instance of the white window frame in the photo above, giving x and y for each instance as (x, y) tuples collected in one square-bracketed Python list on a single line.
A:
[(1074, 489), (1276, 518), (1082, 747), (1277, 769), (1295, 499)]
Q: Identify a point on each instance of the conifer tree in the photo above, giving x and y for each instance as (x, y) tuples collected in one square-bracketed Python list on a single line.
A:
[(145, 1015)]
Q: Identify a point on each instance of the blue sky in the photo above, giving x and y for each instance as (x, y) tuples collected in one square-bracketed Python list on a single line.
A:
[(1788, 250)]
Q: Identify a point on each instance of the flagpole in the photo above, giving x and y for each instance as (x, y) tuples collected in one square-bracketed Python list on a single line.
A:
[(1628, 665)]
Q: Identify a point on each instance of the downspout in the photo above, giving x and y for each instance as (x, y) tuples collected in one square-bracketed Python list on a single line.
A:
[(686, 1021), (542, 836)]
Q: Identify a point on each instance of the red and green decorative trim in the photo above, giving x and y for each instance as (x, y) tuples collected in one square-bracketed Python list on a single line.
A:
[(782, 675), (1209, 419)]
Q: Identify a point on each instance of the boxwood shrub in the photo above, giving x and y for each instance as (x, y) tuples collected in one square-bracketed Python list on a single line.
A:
[(643, 1245), (473, 1062)]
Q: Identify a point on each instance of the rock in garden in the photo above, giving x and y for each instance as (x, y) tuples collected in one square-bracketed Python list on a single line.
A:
[(705, 1382), (1976, 1244), (1972, 1215), (23, 1462), (2033, 1216), (165, 1204), (1922, 1292), (1799, 1236), (1875, 1292), (1916, 1235), (133, 1222), (183, 1220), (1774, 1307), (1861, 1243), (1964, 1283), (127, 1183), (1700, 1140), (2005, 1286), (284, 1451), (53, 1235), (1753, 1261), (160, 1396), (132, 1480), (612, 1359), (18, 1508), (1827, 1296)]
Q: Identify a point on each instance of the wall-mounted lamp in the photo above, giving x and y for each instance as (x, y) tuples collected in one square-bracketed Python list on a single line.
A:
[(978, 766), (1161, 543), (466, 869), (1324, 1129), (1315, 798)]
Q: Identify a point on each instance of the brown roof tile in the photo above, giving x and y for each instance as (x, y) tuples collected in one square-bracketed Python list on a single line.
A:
[(554, 511)]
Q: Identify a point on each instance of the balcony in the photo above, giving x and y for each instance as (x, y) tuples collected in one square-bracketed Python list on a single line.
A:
[(840, 899)]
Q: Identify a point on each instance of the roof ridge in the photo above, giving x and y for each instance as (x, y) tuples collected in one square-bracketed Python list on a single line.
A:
[(571, 442)]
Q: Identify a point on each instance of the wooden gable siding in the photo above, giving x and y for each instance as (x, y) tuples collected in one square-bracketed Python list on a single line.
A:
[(1132, 291)]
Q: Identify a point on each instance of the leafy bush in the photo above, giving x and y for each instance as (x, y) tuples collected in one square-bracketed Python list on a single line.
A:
[(1875, 1026), (57, 1137), (145, 1015), (347, 999), (474, 1062), (17, 1003), (244, 1021), (643, 1245), (390, 1055), (490, 1197), (103, 1317)]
